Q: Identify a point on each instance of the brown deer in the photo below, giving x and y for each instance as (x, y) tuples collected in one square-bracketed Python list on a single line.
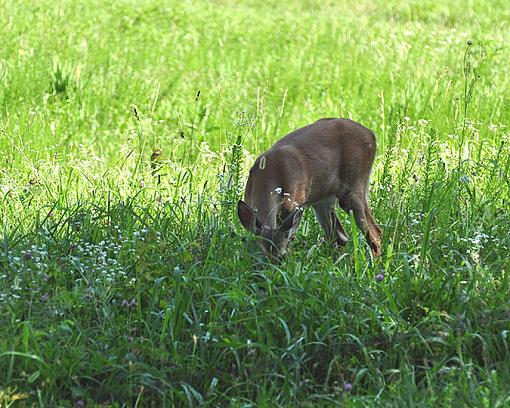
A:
[(326, 162)]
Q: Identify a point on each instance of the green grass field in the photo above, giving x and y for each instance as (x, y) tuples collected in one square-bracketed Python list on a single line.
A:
[(126, 135)]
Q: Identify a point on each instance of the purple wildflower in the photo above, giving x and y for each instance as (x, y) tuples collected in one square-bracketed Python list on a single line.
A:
[(44, 298), (347, 387), (129, 304), (379, 277)]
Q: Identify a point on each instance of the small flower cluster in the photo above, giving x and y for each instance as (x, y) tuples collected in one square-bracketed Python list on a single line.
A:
[(93, 264), (27, 272)]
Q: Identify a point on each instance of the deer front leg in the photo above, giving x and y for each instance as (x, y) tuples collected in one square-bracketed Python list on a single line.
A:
[(326, 215)]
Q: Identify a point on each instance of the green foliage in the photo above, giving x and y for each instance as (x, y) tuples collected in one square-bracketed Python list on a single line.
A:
[(127, 131), (60, 78)]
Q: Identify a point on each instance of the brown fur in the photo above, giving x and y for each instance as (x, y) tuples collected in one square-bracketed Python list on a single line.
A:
[(320, 164)]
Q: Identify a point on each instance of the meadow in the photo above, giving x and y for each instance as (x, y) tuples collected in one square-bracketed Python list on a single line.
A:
[(126, 133)]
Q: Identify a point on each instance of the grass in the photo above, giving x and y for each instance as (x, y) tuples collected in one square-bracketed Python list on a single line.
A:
[(126, 132)]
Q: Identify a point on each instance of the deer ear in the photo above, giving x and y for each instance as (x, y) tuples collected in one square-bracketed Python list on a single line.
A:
[(247, 217), (291, 223)]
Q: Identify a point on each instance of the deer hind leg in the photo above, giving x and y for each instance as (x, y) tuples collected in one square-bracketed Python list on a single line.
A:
[(326, 215), (375, 231), (357, 203)]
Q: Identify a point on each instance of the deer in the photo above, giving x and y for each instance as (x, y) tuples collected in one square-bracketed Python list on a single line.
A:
[(320, 165)]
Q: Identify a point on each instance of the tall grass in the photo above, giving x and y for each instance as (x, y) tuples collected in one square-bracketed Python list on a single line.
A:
[(126, 133)]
